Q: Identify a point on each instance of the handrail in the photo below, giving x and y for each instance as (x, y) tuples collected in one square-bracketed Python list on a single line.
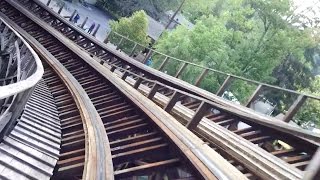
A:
[(29, 82), (217, 71)]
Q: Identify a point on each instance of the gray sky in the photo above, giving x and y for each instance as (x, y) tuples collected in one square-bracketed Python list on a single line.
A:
[(304, 4)]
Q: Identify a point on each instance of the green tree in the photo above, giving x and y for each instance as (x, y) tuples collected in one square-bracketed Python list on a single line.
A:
[(243, 37), (311, 109), (134, 27)]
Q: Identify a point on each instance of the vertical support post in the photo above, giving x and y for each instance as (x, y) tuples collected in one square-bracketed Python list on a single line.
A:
[(84, 22), (96, 30), (225, 85), (119, 43), (133, 49), (153, 91), (174, 99), (137, 83), (124, 75), (107, 37), (60, 9), (48, 3), (72, 15), (294, 108), (201, 76), (184, 65), (200, 113), (147, 56), (254, 95), (313, 169), (113, 68), (163, 63)]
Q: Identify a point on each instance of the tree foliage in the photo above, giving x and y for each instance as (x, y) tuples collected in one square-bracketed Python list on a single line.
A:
[(250, 38), (134, 27)]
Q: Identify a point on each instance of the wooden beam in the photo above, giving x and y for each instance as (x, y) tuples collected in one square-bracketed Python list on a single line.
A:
[(201, 76), (313, 169), (163, 63), (174, 99), (225, 85), (254, 95), (294, 108), (200, 113), (153, 91), (184, 65)]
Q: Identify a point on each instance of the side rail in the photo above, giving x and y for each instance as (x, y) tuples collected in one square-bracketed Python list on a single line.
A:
[(260, 91), (20, 71), (258, 96)]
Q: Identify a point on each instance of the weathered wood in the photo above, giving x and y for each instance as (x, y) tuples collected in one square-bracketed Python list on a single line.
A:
[(133, 49), (72, 15), (200, 113), (313, 169), (84, 22), (163, 63), (96, 30), (294, 108), (254, 95), (184, 65), (174, 99), (153, 91), (137, 83), (61, 8), (147, 56), (201, 76), (225, 85), (48, 2)]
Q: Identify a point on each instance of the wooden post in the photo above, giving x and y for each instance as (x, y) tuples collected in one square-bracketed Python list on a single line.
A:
[(313, 169), (254, 95), (18, 60), (84, 22), (200, 113), (60, 9), (96, 30), (153, 91), (184, 65), (133, 49), (72, 15), (294, 108), (137, 83), (225, 85), (113, 68), (163, 63), (201, 76), (48, 3), (147, 56), (124, 75), (119, 43), (174, 99)]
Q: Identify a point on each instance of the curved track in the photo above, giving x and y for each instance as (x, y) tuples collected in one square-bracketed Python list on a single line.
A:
[(112, 107), (139, 144)]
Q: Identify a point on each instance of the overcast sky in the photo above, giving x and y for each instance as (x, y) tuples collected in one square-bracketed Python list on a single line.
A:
[(304, 4)]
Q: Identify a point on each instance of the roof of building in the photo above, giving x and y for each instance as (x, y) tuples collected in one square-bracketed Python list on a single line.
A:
[(155, 28)]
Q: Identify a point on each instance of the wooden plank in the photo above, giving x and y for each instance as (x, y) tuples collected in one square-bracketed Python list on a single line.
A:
[(225, 85), (184, 65), (294, 108), (174, 99), (143, 169), (200, 113), (313, 169), (165, 61), (201, 76)]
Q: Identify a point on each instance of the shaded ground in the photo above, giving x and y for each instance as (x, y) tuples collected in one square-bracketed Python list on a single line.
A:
[(94, 15)]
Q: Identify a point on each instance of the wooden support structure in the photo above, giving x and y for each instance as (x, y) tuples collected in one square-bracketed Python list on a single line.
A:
[(147, 56), (254, 95), (225, 85), (84, 22), (153, 91), (200, 113), (133, 49), (174, 99), (137, 83), (163, 63), (72, 15), (201, 76), (48, 2), (313, 169), (60, 9), (96, 30), (120, 42), (184, 65), (294, 108)]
